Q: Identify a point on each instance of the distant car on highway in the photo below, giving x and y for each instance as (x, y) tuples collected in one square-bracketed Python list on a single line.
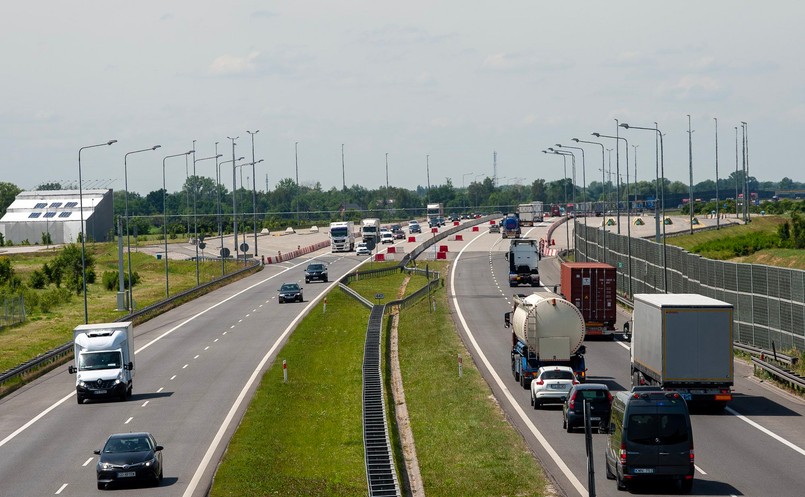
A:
[(414, 227), (129, 457), (316, 271), (551, 385), (600, 400), (290, 292), (362, 249), (494, 228), (386, 237)]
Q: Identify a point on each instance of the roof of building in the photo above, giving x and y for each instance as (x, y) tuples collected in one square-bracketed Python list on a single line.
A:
[(52, 205)]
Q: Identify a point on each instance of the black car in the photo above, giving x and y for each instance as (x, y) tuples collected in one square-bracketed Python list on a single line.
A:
[(316, 271), (414, 228), (600, 400), (129, 457), (290, 292)]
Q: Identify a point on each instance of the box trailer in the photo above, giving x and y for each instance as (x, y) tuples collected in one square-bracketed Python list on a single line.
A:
[(592, 287)]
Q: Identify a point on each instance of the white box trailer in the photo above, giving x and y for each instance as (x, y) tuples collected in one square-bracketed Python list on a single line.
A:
[(683, 342)]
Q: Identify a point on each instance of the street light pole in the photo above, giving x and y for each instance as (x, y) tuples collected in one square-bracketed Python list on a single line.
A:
[(603, 185), (296, 161), (427, 170), (386, 196), (126, 215), (254, 192), (737, 215), (564, 183), (690, 169), (343, 186), (83, 228), (718, 200), (165, 215), (195, 217), (234, 201), (220, 226)]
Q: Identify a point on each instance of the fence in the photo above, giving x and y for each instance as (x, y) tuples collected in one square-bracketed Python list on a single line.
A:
[(769, 301), (13, 311)]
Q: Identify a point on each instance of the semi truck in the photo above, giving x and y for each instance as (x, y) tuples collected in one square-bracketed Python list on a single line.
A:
[(530, 213), (547, 330), (510, 227), (104, 361), (683, 342), (523, 257), (435, 214), (370, 232), (342, 236), (592, 287)]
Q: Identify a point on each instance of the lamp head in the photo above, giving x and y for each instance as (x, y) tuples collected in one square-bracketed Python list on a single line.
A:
[(551, 149), (597, 135), (544, 151), (190, 152), (111, 142), (156, 147), (624, 125), (575, 140), (559, 145)]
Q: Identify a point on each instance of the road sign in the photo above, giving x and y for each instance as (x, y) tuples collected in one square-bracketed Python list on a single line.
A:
[(224, 252), (244, 247), (379, 296), (620, 265), (202, 245)]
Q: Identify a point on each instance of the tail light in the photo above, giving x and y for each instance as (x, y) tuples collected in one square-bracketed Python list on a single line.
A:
[(692, 458), (622, 454), (609, 396), (572, 402), (540, 382)]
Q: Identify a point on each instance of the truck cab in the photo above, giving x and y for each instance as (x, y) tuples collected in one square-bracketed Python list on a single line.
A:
[(104, 361)]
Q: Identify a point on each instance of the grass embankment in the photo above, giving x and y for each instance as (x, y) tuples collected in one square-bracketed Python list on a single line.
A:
[(304, 438), (51, 322)]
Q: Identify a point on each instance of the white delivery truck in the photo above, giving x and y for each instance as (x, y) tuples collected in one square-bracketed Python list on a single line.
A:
[(370, 232), (104, 360), (530, 213), (683, 342), (342, 236)]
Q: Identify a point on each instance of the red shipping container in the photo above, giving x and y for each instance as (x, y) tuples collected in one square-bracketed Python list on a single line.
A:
[(592, 287)]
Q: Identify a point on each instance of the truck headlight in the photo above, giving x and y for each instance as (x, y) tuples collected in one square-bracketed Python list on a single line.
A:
[(82, 384)]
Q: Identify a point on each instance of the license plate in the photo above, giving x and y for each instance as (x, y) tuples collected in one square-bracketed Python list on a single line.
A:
[(687, 396), (643, 470), (558, 386), (126, 474), (595, 419), (100, 392)]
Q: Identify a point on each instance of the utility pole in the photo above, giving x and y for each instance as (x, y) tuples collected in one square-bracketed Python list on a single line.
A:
[(718, 200), (690, 169), (343, 185), (234, 202)]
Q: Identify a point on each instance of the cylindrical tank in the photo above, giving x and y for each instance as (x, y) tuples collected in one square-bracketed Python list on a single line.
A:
[(538, 317)]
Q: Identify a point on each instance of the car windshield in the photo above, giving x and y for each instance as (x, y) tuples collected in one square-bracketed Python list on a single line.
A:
[(557, 375), (315, 267), (88, 361), (127, 444), (657, 429), (289, 287)]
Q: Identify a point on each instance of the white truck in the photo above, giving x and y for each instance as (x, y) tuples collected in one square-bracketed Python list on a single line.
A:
[(342, 236), (104, 360), (530, 213), (370, 232), (547, 330), (523, 257), (435, 215), (683, 342)]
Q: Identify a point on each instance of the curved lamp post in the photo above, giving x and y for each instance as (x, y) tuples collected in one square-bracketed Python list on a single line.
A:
[(165, 215), (603, 194), (564, 162), (195, 217), (218, 195), (659, 193), (83, 230), (254, 191), (126, 215), (254, 202)]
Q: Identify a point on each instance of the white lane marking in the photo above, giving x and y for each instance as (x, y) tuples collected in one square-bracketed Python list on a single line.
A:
[(160, 389), (515, 405), (215, 340), (128, 420), (241, 320), (183, 367), (60, 489), (699, 469), (254, 310), (35, 419), (224, 333), (197, 356), (216, 441), (145, 403), (261, 305), (767, 431), (88, 461), (622, 345), (230, 328), (173, 377), (207, 347)]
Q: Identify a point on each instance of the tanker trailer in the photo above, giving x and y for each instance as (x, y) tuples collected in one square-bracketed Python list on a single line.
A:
[(547, 330)]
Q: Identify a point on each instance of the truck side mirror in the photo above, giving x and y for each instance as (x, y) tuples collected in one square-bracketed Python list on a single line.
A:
[(130, 366), (71, 370), (506, 255), (507, 319)]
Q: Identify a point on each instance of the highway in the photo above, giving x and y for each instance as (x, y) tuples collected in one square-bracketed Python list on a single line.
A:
[(198, 365), (756, 447)]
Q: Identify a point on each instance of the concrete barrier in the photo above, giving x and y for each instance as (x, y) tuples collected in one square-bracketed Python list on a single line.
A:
[(380, 257), (441, 255), (411, 239), (475, 228), (442, 248)]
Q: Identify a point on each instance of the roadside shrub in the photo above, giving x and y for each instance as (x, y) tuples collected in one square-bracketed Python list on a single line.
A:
[(110, 280), (6, 270), (37, 279)]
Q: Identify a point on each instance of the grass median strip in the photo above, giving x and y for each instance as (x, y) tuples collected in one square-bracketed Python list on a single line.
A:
[(304, 438)]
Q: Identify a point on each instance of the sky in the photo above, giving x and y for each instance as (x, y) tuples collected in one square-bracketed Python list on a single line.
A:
[(437, 85)]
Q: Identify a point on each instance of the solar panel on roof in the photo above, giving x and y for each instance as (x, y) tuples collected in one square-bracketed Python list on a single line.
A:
[(69, 205), (34, 215), (41, 205), (55, 205), (49, 214), (65, 214)]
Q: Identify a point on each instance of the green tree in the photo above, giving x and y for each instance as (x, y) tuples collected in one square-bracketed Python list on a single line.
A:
[(8, 192), (49, 186), (68, 263), (6, 270)]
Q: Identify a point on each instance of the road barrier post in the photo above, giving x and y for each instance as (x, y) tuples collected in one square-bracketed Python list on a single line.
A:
[(459, 366), (284, 372)]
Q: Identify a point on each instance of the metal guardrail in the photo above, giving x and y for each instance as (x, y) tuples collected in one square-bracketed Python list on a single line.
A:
[(381, 474), (777, 356), (67, 348), (779, 373)]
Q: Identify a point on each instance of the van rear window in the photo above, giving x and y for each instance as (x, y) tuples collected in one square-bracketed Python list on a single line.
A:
[(657, 429), (593, 394)]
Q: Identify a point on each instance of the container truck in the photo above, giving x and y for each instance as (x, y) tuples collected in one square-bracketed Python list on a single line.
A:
[(523, 257), (592, 287), (435, 215), (683, 342), (547, 330), (370, 232), (530, 213), (342, 236), (510, 227), (104, 361)]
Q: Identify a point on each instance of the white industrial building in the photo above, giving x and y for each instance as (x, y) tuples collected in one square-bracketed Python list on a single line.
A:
[(57, 212)]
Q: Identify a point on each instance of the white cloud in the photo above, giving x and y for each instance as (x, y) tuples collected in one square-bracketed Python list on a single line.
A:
[(693, 87), (234, 65)]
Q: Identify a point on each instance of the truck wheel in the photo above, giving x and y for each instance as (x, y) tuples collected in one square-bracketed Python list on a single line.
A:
[(621, 483)]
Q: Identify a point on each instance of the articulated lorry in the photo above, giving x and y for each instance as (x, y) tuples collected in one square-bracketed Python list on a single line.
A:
[(342, 236), (523, 257), (435, 215), (530, 213), (683, 342), (547, 330), (592, 287), (510, 227), (104, 361), (370, 232)]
